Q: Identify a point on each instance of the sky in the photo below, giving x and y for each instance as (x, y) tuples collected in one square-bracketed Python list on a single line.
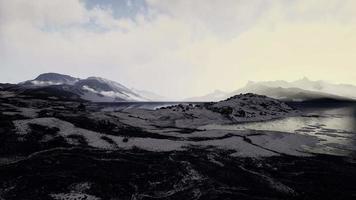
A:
[(179, 48)]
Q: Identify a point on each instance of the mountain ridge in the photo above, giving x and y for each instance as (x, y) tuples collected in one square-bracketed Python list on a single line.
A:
[(298, 90), (94, 89)]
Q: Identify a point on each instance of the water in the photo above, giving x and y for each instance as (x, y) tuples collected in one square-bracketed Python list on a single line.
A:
[(334, 127), (120, 106)]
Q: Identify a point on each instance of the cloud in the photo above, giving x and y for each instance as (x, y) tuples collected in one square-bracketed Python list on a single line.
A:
[(224, 18), (42, 12), (180, 48)]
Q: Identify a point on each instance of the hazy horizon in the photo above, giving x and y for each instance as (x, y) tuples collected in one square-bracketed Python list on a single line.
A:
[(179, 48), (211, 92)]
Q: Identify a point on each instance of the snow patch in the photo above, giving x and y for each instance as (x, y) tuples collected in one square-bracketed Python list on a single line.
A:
[(113, 95), (73, 196), (45, 83), (270, 144)]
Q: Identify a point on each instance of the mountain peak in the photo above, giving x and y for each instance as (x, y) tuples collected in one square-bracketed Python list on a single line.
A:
[(305, 79), (53, 79), (96, 89), (97, 78)]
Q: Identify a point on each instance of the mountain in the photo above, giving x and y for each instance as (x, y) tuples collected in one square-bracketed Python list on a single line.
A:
[(150, 95), (95, 89), (26, 90), (217, 95), (286, 94), (299, 90), (343, 90), (100, 89), (47, 79)]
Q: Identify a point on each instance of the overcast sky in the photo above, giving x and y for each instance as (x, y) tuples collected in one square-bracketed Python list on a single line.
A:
[(179, 48)]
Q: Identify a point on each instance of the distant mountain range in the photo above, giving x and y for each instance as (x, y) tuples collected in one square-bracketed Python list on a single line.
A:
[(95, 89), (299, 90), (217, 95)]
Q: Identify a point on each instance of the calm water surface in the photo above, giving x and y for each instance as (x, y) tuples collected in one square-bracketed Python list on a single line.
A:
[(334, 127), (119, 106)]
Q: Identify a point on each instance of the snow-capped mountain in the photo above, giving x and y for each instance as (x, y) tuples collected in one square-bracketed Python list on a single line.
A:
[(47, 79), (95, 89), (100, 89)]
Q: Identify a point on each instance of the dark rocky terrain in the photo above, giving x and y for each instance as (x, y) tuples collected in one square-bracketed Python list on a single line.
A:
[(57, 148)]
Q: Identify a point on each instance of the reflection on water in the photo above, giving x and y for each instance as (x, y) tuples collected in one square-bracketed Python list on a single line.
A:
[(335, 128)]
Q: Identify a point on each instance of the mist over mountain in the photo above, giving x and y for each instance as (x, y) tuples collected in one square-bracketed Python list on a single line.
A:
[(216, 95), (150, 95), (47, 79), (98, 89), (299, 90), (94, 89), (344, 90), (286, 94)]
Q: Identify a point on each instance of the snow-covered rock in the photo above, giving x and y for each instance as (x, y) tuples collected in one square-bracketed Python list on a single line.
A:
[(95, 89), (73, 196), (240, 142), (107, 90), (47, 79)]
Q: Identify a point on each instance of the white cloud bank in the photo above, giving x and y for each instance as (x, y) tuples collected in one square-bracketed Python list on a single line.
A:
[(181, 48)]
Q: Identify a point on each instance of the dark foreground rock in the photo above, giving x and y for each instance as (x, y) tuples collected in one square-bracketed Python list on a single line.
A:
[(196, 174), (60, 149)]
